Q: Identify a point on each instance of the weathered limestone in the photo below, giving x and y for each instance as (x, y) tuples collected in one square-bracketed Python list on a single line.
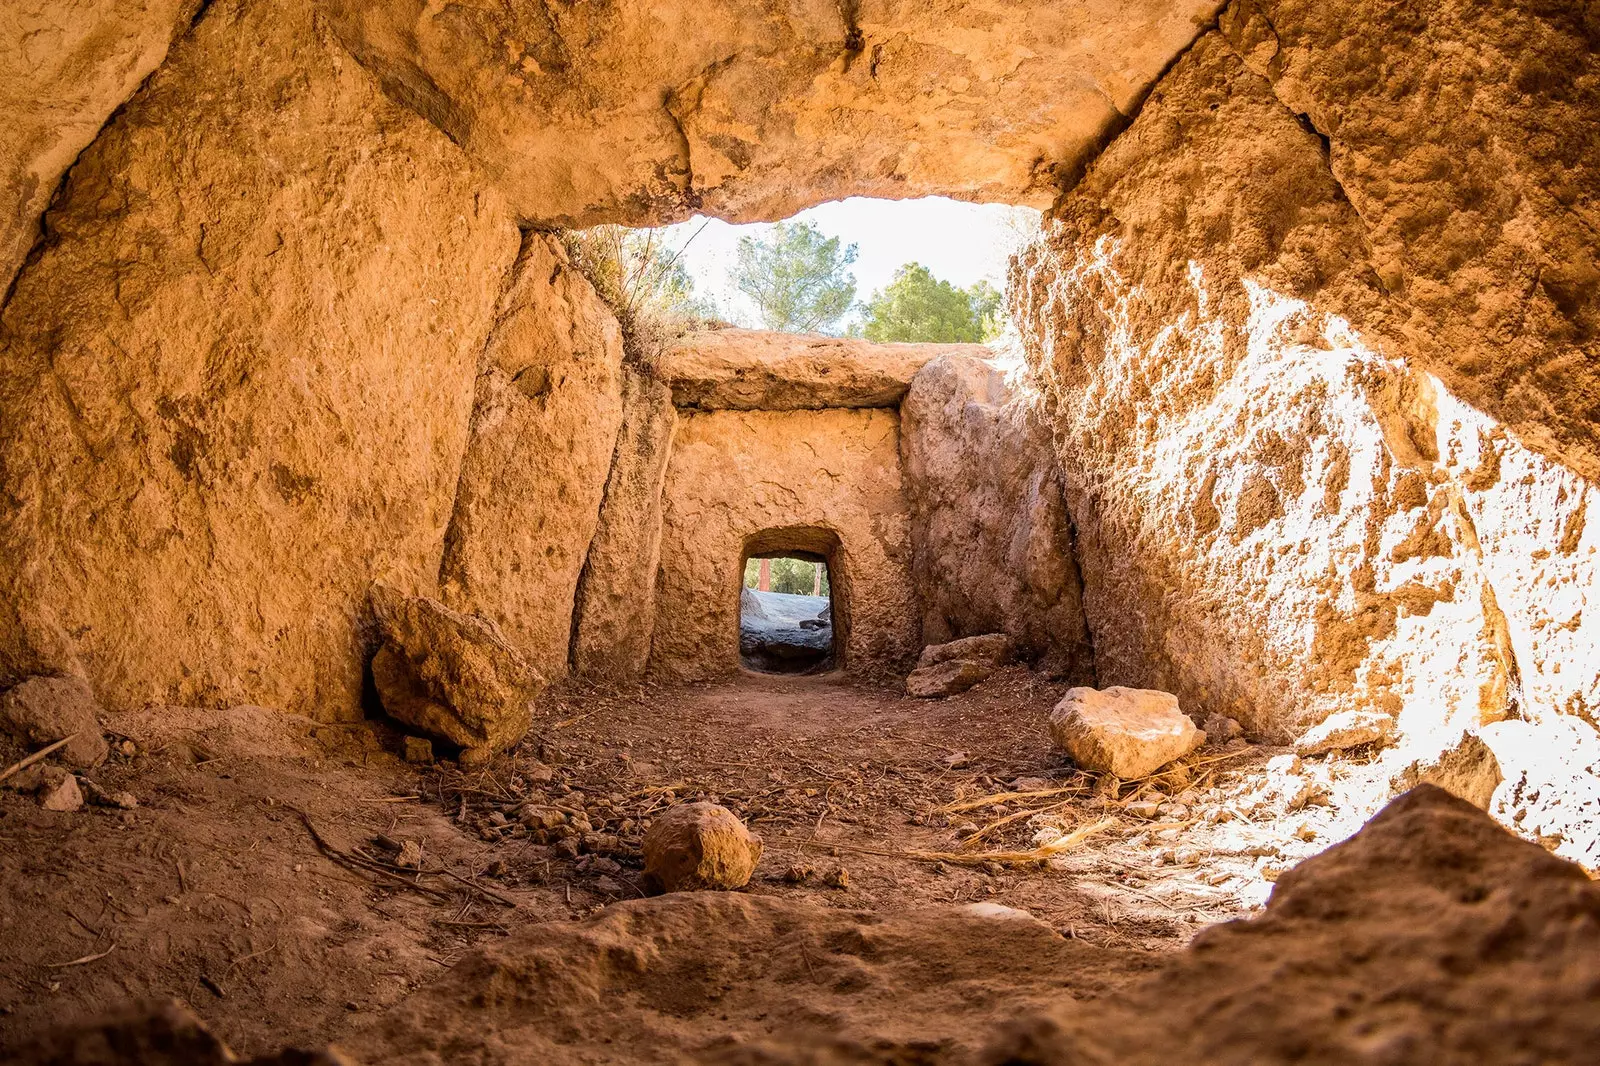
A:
[(451, 675), (741, 483), (697, 846), (1127, 732), (993, 541), (544, 427), (641, 112), (64, 68), (616, 592), (1468, 771), (1239, 464), (1471, 155), (43, 710), (1231, 316), (235, 382), (759, 370)]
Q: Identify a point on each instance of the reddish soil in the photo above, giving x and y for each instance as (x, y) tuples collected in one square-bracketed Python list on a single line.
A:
[(215, 892)]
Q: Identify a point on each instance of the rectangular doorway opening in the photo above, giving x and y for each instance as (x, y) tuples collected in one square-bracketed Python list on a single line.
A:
[(786, 614)]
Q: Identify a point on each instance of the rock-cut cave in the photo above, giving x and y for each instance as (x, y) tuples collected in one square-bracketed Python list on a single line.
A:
[(1206, 672)]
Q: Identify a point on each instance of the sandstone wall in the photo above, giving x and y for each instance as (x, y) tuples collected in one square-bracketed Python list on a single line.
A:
[(64, 67), (989, 526), (1281, 514), (549, 402), (615, 609), (763, 370), (642, 111), (236, 382), (819, 475)]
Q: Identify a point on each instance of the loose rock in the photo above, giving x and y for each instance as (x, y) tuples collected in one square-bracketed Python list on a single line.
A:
[(419, 750), (1220, 729), (42, 710), (700, 846), (451, 675), (994, 649), (1127, 732), (946, 678), (63, 796), (1346, 730)]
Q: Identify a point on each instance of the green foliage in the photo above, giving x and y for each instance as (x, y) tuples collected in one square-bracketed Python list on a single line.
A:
[(916, 306), (794, 576), (796, 278), (640, 274)]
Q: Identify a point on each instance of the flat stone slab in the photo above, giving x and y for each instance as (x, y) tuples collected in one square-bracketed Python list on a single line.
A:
[(761, 370)]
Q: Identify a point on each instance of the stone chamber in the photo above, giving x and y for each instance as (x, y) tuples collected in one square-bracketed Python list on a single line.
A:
[(306, 415)]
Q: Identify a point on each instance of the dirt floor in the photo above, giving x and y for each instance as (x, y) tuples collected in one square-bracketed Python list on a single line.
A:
[(290, 880)]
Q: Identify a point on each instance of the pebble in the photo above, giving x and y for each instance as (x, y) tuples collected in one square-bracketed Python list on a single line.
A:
[(64, 796)]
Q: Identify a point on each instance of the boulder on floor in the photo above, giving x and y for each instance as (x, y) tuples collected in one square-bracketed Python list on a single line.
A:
[(43, 710), (1128, 732), (451, 675), (946, 678), (946, 669), (1346, 730), (699, 846)]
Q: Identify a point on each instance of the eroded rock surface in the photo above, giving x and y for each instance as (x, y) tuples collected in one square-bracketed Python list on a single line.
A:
[(759, 370), (821, 482), (64, 68), (544, 428), (640, 112), (993, 539), (235, 382), (451, 675), (616, 592), (1233, 336)]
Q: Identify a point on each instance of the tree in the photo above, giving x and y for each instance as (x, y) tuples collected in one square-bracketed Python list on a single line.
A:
[(796, 277), (916, 306)]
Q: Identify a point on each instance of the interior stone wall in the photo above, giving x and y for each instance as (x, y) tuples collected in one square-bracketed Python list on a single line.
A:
[(544, 426), (1282, 511), (735, 474), (237, 376), (991, 536), (65, 66)]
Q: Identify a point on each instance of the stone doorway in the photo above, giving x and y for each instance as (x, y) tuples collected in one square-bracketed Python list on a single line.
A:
[(786, 614)]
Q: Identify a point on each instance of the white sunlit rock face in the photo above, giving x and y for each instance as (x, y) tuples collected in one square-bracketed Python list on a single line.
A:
[(1279, 516)]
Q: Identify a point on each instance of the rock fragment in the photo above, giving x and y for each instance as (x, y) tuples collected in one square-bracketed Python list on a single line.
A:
[(946, 669), (1346, 730), (63, 796), (1127, 732), (1468, 770), (419, 750), (451, 675), (946, 678), (43, 710), (994, 649), (700, 846)]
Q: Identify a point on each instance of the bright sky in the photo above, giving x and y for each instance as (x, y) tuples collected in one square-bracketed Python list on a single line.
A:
[(959, 242)]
